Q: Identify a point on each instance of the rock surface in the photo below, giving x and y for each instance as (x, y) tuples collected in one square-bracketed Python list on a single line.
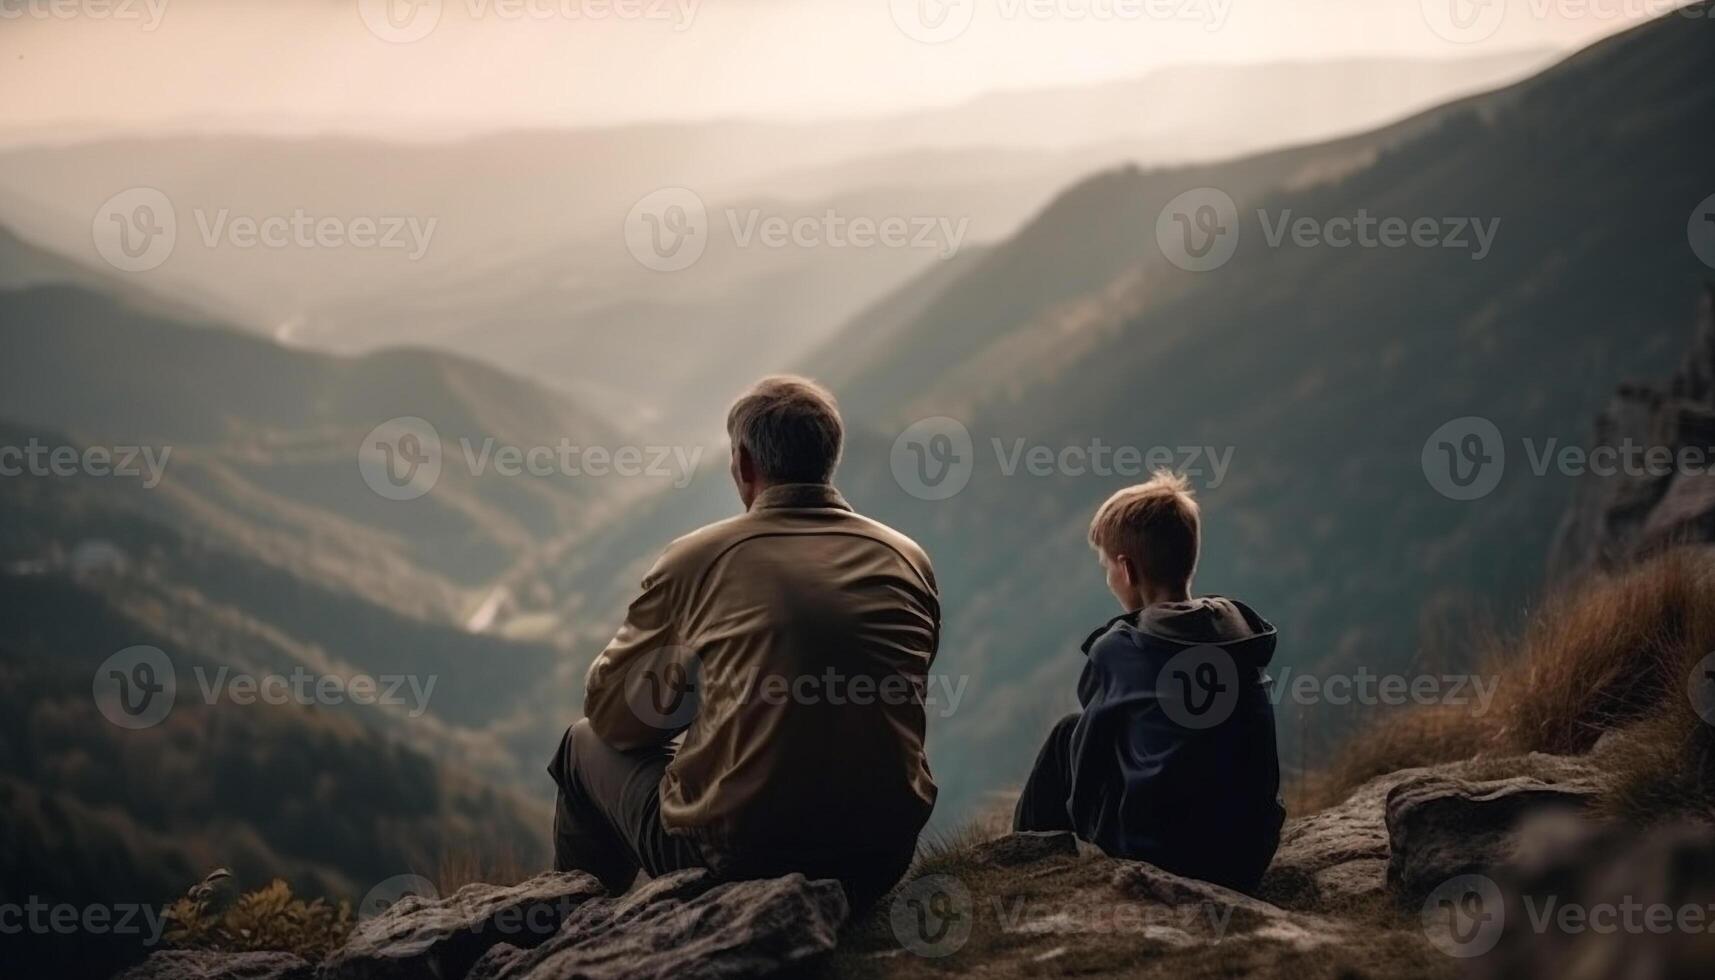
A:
[(421, 937), (1339, 857), (1025, 847), (1441, 827), (1614, 519), (188, 964), (1345, 898), (1222, 913), (687, 926)]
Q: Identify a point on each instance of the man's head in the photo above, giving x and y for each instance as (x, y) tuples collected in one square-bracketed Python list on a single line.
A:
[(785, 429), (1147, 537)]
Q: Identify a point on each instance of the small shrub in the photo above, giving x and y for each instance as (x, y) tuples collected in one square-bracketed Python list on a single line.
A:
[(266, 919)]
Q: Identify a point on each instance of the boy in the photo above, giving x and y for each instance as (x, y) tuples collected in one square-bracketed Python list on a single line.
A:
[(1172, 759)]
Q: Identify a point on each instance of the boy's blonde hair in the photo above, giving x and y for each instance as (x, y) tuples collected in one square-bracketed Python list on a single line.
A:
[(1156, 524)]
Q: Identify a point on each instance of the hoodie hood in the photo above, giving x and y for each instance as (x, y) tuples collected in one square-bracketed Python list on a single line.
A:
[(1204, 621)]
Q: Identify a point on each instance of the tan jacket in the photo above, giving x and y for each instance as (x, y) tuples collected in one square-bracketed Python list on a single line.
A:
[(791, 645)]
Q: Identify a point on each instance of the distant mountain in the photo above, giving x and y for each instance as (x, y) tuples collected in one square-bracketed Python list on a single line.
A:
[(21, 264), (516, 256), (265, 439), (1200, 112), (259, 527), (24, 263), (670, 349), (255, 550), (1322, 371), (336, 798)]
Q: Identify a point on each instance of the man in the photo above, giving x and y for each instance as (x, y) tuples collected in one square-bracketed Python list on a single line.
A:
[(790, 645)]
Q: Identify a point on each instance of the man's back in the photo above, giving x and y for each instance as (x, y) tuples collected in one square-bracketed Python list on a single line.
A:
[(806, 632)]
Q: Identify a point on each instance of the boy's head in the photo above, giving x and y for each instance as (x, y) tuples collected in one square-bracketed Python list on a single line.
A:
[(1147, 537)]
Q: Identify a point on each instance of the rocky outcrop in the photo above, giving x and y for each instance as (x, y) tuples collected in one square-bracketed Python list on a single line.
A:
[(562, 926), (443, 937), (1441, 827), (191, 964), (1647, 505), (1340, 857), (1373, 887), (685, 926)]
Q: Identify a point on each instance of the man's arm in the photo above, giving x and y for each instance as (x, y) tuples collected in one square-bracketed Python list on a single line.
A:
[(636, 690)]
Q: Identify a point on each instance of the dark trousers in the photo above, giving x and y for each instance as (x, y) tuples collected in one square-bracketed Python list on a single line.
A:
[(1042, 803), (607, 822)]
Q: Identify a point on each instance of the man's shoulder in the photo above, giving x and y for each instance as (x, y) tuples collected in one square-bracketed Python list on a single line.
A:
[(698, 548), (693, 552), (895, 539)]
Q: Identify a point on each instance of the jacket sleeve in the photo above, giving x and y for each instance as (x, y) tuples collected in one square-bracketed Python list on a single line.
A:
[(646, 641), (1121, 742)]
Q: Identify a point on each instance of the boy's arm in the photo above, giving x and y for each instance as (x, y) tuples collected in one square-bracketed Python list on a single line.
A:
[(619, 700), (1123, 736)]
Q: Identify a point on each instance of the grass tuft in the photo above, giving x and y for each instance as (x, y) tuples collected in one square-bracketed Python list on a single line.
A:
[(1613, 654)]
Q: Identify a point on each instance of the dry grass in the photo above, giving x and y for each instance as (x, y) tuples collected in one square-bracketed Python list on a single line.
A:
[(458, 867), (1612, 654), (1422, 737)]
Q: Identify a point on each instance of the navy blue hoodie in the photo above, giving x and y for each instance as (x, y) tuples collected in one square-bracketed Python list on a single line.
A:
[(1173, 757)]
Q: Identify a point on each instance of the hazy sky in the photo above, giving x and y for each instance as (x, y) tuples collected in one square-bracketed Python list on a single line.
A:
[(435, 64)]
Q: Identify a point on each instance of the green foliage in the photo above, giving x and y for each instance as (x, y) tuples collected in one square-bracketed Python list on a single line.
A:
[(266, 919)]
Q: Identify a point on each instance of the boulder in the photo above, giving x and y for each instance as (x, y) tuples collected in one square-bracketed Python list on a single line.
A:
[(442, 937), (687, 926), (196, 964), (1025, 847), (1338, 858), (1441, 827)]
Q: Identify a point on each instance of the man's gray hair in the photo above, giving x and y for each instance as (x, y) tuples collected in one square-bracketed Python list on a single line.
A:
[(791, 427)]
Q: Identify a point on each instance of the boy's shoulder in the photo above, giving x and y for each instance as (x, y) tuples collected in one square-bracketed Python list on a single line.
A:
[(1118, 637), (1158, 632)]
